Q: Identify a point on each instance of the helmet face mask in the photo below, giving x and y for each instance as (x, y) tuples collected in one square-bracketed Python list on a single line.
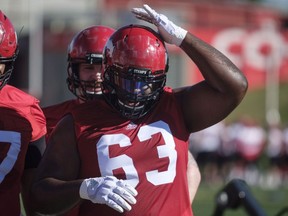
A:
[(136, 93), (8, 48), (134, 70), (86, 49), (9, 66)]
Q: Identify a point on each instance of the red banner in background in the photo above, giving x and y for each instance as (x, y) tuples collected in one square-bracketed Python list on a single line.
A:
[(256, 52)]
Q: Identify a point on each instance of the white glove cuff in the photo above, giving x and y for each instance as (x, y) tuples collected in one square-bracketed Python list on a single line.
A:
[(180, 34), (88, 188), (83, 189)]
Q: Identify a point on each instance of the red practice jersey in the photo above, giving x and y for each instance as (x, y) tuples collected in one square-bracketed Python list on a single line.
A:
[(54, 114), (21, 122), (150, 153)]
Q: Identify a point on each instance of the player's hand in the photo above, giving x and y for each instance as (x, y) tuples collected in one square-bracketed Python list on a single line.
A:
[(170, 32), (109, 190)]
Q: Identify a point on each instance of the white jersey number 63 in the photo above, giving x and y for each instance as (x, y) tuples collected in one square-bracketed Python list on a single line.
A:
[(108, 164)]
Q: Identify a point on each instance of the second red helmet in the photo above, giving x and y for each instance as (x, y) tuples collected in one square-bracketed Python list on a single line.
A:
[(8, 48), (85, 47)]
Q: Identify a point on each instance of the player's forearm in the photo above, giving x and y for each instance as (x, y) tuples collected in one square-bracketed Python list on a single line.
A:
[(52, 196), (193, 176), (219, 72)]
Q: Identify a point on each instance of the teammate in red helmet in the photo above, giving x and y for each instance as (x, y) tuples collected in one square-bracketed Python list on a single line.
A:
[(22, 129), (84, 58)]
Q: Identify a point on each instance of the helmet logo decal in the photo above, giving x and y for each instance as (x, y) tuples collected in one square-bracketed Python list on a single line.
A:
[(94, 58), (139, 71)]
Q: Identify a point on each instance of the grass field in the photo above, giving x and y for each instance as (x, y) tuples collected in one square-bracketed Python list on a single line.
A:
[(254, 105), (272, 201)]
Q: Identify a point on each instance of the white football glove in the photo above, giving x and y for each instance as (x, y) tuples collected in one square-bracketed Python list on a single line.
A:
[(170, 32), (109, 190)]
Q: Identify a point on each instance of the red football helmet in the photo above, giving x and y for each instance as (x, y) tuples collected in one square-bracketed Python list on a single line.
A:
[(8, 48), (135, 65), (86, 47)]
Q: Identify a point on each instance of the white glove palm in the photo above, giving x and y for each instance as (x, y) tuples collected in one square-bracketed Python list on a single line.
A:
[(109, 190), (170, 32)]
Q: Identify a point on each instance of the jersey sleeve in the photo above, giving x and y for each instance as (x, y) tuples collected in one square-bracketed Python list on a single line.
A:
[(38, 121)]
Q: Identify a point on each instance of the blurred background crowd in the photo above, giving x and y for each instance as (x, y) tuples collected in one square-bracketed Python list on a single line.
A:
[(242, 149), (253, 142)]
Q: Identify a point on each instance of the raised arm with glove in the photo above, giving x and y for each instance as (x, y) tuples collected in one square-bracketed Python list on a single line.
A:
[(170, 32), (224, 86)]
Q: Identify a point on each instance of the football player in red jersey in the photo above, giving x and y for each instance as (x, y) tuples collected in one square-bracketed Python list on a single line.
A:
[(22, 129), (140, 132), (84, 81), (84, 78), (84, 75), (83, 69)]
